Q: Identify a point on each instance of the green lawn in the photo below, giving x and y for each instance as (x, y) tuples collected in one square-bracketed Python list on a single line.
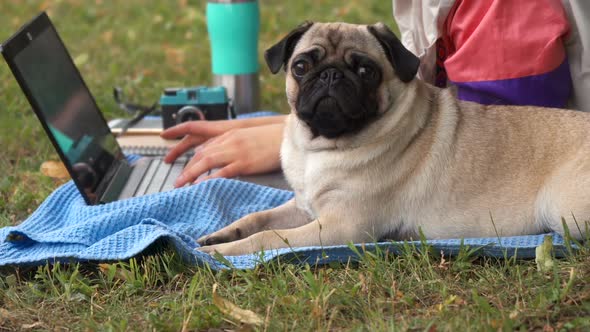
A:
[(144, 46)]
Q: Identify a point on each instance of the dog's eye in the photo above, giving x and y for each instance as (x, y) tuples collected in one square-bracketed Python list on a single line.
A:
[(365, 72), (300, 68)]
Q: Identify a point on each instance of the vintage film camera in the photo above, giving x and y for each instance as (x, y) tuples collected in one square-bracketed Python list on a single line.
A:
[(195, 103)]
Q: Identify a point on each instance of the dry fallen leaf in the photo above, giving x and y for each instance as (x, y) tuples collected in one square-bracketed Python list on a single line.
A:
[(235, 312), (544, 255), (131, 34), (104, 267), (175, 56), (31, 326), (5, 316), (81, 59), (44, 5), (107, 36), (54, 170), (158, 19)]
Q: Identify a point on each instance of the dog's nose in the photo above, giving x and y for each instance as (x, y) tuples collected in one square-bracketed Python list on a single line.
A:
[(330, 76)]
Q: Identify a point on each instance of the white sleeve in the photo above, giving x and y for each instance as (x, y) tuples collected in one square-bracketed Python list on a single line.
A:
[(578, 52), (420, 24)]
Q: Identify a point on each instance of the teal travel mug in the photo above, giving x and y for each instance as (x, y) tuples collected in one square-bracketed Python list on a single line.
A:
[(233, 27)]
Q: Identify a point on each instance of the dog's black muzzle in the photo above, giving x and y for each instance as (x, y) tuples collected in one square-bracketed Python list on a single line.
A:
[(333, 102)]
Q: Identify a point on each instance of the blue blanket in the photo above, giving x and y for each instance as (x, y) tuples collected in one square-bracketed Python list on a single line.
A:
[(65, 229)]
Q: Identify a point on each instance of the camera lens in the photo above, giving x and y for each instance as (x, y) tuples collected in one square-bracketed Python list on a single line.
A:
[(189, 113)]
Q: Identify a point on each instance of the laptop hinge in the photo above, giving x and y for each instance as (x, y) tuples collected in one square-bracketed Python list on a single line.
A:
[(115, 183)]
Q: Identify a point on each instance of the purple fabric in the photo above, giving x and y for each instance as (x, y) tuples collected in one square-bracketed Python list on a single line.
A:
[(551, 89)]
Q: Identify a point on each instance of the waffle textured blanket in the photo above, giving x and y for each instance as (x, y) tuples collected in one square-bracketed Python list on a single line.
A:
[(65, 229)]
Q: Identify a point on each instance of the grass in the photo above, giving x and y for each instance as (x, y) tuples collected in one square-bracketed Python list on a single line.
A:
[(144, 46)]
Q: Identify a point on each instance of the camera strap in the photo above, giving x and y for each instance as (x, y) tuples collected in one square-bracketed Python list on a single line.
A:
[(232, 111), (139, 111)]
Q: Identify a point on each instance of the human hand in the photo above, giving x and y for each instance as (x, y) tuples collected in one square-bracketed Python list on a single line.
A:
[(194, 133), (237, 151), (197, 132)]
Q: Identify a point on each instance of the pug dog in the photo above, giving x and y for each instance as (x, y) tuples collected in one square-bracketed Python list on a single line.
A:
[(373, 153)]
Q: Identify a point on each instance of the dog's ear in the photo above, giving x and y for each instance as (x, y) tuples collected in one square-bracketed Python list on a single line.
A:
[(404, 62), (278, 55)]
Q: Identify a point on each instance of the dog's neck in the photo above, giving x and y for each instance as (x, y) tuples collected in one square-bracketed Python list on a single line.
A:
[(407, 115)]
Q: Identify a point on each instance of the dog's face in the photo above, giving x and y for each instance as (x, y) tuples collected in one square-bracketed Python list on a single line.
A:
[(340, 76)]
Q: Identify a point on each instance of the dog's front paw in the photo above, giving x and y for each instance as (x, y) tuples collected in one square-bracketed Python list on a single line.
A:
[(207, 249), (238, 230), (208, 240), (222, 236), (226, 249)]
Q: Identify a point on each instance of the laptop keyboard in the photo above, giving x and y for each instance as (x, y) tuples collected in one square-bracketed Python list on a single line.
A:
[(152, 175), (160, 176), (174, 173), (146, 151)]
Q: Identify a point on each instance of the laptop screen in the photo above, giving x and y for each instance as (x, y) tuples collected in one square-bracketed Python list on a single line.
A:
[(67, 109)]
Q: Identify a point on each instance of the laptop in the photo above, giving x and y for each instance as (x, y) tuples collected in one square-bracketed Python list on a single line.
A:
[(75, 125)]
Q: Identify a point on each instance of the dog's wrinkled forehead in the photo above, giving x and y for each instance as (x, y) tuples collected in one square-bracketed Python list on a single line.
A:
[(338, 40)]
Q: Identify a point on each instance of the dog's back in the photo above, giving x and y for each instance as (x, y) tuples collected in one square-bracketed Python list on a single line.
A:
[(514, 170)]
